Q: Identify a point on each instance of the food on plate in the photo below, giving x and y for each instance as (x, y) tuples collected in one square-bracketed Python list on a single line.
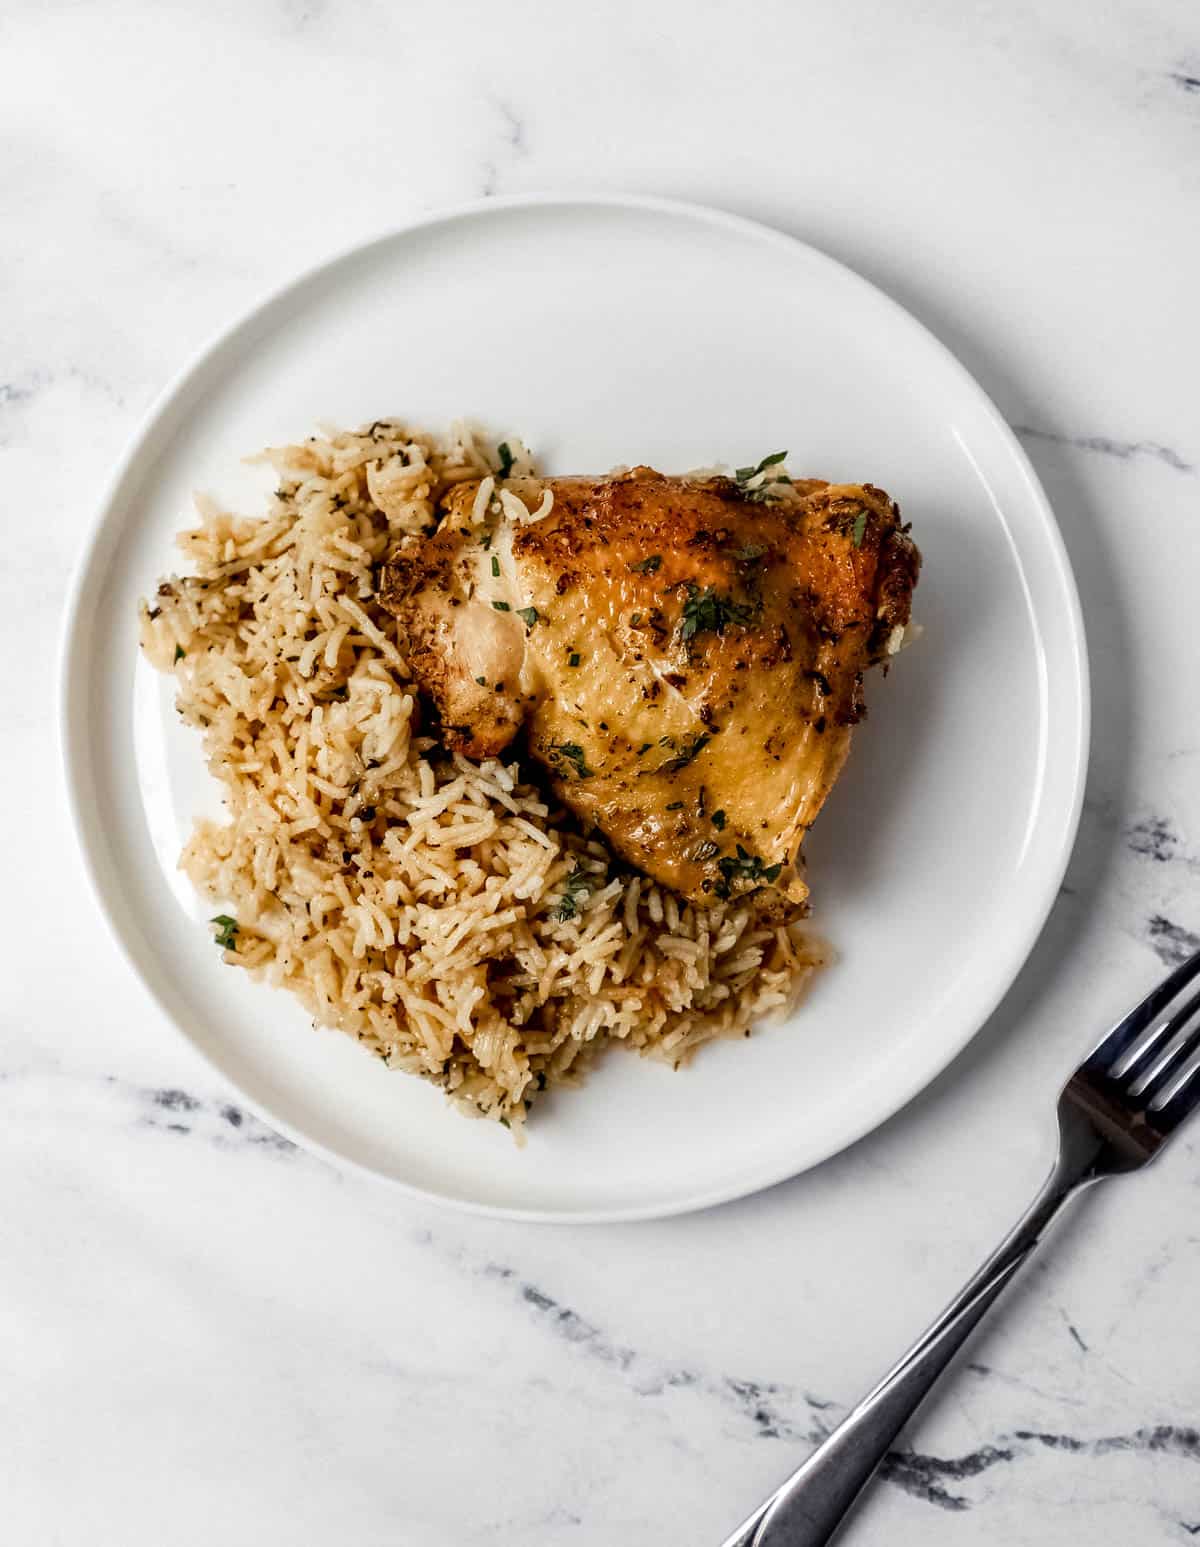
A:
[(427, 682), (673, 647)]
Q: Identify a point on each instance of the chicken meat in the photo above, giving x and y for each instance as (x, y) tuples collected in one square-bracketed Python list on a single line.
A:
[(685, 655)]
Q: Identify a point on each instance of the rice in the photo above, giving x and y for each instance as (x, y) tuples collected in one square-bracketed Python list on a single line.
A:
[(444, 913)]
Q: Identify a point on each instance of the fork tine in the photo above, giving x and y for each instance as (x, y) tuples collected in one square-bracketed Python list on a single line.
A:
[(1104, 1057), (1132, 1062), (1175, 1088), (1182, 1040), (1139, 1050)]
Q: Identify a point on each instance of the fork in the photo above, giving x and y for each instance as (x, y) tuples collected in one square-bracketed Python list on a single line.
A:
[(1115, 1113)]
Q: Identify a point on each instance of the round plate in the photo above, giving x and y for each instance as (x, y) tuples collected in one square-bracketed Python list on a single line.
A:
[(611, 331)]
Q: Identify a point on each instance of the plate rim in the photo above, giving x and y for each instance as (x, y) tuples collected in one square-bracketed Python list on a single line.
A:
[(106, 520)]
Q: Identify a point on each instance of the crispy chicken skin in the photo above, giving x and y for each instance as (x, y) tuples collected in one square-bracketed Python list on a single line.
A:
[(688, 659)]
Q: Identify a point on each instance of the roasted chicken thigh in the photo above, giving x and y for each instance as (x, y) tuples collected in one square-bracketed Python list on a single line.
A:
[(686, 655)]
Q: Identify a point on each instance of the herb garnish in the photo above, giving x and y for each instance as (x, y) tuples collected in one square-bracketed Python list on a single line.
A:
[(744, 474), (676, 805), (650, 566), (482, 681), (718, 821), (180, 652), (506, 458), (745, 867), (571, 752), (859, 529), (528, 615), (574, 658), (227, 932), (708, 611), (634, 619), (752, 483), (576, 887), (495, 566), (501, 606), (686, 754), (751, 553)]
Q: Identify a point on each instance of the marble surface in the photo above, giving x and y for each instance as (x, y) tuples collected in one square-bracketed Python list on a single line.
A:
[(206, 1335)]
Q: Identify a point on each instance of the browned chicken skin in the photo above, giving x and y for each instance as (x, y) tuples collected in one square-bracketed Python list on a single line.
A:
[(688, 656)]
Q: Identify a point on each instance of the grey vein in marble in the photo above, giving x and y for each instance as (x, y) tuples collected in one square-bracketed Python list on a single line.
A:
[(1185, 82), (302, 13), (765, 1405), (1154, 838), (1160, 1439), (176, 1111), (16, 392), (1169, 941), (20, 395), (515, 146), (762, 1404), (1073, 1332), (925, 1477), (1124, 450)]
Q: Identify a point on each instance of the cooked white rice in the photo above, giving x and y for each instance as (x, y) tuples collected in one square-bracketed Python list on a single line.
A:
[(442, 912)]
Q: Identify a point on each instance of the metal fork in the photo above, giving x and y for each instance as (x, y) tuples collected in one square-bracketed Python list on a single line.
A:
[(1115, 1113)]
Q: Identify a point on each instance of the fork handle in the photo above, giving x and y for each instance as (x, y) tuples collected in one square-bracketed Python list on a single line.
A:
[(810, 1506)]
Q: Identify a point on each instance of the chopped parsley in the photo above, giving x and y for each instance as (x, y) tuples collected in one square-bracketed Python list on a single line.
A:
[(859, 530), (501, 606), (745, 866), (226, 932), (485, 542), (180, 652), (570, 752), (574, 658), (506, 458), (650, 566), (644, 748), (718, 821), (744, 474), (576, 888), (687, 753), (676, 805), (751, 482), (528, 615), (495, 566), (709, 612), (750, 554), (634, 619), (482, 681)]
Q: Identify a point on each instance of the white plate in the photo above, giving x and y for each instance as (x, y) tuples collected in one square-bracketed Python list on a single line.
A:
[(606, 331)]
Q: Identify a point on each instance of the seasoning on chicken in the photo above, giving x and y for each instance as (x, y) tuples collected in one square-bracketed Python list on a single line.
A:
[(687, 654)]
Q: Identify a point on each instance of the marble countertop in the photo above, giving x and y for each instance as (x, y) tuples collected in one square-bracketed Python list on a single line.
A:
[(205, 1334)]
